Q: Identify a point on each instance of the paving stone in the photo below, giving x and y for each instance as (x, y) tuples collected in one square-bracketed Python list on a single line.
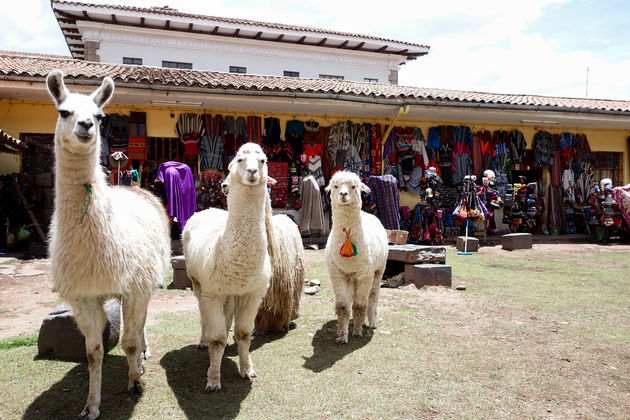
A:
[(512, 241), (60, 337), (428, 275), (471, 244), (417, 254)]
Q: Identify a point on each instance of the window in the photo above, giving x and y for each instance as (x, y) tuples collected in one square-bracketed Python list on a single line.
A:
[(237, 69), (370, 80), (176, 65), (132, 60), (330, 76), (291, 73), (607, 165)]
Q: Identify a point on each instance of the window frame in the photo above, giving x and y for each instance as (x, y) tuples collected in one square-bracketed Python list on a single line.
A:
[(289, 73), (237, 69), (331, 77), (168, 64), (134, 60)]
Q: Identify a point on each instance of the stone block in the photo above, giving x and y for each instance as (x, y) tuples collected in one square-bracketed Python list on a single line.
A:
[(60, 336), (178, 262), (181, 279), (428, 275), (512, 241), (470, 244), (417, 254)]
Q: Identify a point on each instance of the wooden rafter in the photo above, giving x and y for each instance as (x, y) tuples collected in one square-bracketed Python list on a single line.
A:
[(301, 41), (215, 30), (280, 38), (190, 27), (142, 21), (343, 45), (236, 32), (382, 49), (167, 24), (114, 21), (358, 47), (258, 35), (322, 42)]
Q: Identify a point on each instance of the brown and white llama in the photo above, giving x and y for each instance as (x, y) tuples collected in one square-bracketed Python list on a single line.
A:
[(104, 241)]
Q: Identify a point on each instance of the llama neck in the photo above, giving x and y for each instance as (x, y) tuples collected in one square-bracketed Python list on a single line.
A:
[(72, 172), (245, 227), (345, 217)]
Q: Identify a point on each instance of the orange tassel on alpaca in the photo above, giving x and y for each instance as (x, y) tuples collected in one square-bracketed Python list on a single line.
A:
[(348, 249)]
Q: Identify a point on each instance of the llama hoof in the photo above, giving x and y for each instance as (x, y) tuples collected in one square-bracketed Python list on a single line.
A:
[(135, 388), (88, 414), (342, 340), (146, 355), (249, 374), (213, 386), (202, 345), (357, 334)]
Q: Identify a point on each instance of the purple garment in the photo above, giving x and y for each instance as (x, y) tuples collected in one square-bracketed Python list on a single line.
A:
[(180, 190)]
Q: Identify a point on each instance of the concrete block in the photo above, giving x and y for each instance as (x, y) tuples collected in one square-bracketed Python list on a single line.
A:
[(513, 241), (428, 275), (471, 244), (180, 279), (417, 254), (60, 336)]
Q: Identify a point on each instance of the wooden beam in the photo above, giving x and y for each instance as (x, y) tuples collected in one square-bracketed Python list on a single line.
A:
[(142, 21), (190, 25), (358, 47), (114, 21), (382, 49), (258, 35), (70, 30), (235, 34), (403, 52), (167, 24), (85, 14), (280, 38), (343, 45), (301, 41), (322, 42), (73, 36), (215, 30)]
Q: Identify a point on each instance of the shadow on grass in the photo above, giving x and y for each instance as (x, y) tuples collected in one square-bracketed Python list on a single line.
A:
[(66, 398), (326, 352), (186, 370)]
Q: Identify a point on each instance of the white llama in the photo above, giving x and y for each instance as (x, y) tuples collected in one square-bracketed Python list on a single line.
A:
[(356, 254), (227, 260), (104, 241)]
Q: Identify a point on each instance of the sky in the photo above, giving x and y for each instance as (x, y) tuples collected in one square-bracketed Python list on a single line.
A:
[(569, 48)]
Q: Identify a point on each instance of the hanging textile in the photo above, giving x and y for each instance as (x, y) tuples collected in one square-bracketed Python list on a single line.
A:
[(279, 192), (622, 196), (211, 144), (254, 131), (376, 167), (116, 128), (137, 136), (180, 190), (384, 192), (517, 146), (311, 214), (419, 146), (189, 129), (477, 157), (543, 149), (488, 152)]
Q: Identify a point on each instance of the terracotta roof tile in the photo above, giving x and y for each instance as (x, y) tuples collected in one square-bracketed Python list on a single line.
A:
[(18, 64)]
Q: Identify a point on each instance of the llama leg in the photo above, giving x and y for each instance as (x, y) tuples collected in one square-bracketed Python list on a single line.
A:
[(373, 298), (360, 302), (146, 352), (134, 340), (343, 302), (91, 320), (203, 343), (213, 319), (245, 310)]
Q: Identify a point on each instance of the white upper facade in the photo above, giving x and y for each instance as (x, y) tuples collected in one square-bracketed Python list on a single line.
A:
[(164, 37)]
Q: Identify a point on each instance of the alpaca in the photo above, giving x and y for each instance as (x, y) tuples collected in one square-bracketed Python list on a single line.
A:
[(356, 255), (282, 301), (104, 241), (228, 262)]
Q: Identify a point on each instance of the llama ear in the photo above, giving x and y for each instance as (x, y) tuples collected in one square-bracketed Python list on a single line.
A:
[(271, 181), (365, 188), (104, 93), (225, 187), (56, 87), (328, 187)]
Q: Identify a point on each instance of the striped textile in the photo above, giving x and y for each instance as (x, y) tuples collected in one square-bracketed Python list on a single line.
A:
[(384, 192)]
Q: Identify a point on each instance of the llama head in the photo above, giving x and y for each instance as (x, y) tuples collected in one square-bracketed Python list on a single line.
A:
[(345, 189), (249, 167), (79, 115)]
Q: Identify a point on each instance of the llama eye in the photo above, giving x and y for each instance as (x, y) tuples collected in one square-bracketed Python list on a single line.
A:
[(239, 160), (354, 186), (64, 113), (335, 187)]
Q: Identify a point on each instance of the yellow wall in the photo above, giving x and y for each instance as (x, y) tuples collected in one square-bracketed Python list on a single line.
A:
[(17, 117)]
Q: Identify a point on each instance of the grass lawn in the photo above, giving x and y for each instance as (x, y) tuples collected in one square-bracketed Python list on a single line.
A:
[(534, 335)]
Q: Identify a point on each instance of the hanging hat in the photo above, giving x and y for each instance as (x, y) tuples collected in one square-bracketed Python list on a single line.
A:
[(118, 159)]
